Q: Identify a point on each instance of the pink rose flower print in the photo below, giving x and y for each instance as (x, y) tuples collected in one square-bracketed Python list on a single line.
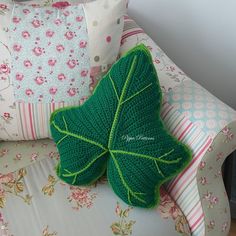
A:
[(167, 207), (36, 23), (4, 69), (25, 34), (210, 149), (71, 92), (4, 151), (108, 39), (49, 33), (226, 130), (38, 51), (203, 180), (228, 134), (71, 63), (19, 76), (29, 92), (27, 63), (6, 178), (211, 199), (61, 77), (60, 5), (81, 197), (214, 200), (17, 47), (79, 18), (224, 226), (157, 61), (53, 90), (60, 48), (83, 44), (57, 22), (69, 35), (52, 62), (26, 11), (3, 6), (202, 165), (220, 156), (6, 115), (34, 156), (16, 20), (84, 73), (18, 157), (39, 80)]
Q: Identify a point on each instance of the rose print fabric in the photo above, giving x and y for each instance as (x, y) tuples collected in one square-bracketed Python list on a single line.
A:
[(50, 59), (31, 194)]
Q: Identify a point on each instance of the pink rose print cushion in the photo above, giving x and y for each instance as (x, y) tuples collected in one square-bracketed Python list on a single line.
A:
[(52, 54), (50, 58)]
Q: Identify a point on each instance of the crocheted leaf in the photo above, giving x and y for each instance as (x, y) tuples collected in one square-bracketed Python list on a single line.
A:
[(119, 127)]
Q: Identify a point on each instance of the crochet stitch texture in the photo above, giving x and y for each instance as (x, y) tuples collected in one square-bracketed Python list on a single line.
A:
[(119, 129)]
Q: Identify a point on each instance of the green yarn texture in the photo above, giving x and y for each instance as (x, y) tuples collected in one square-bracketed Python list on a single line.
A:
[(119, 130)]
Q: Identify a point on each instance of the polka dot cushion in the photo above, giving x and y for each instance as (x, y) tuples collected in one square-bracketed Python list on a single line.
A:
[(51, 55), (119, 129), (207, 112)]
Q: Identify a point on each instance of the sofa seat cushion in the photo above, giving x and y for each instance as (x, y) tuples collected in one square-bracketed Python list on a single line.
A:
[(33, 201)]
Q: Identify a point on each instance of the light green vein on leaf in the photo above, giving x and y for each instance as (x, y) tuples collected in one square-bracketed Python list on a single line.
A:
[(62, 139), (75, 174), (129, 190), (64, 120), (78, 137), (114, 88), (158, 159), (134, 95), (159, 170), (124, 90)]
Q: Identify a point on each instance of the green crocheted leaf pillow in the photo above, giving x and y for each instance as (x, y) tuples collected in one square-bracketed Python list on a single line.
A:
[(119, 129)]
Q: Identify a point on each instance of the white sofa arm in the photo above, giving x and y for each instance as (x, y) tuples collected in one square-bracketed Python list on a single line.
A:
[(206, 125), (169, 74)]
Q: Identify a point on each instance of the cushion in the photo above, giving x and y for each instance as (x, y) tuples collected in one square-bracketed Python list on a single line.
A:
[(119, 129), (51, 57)]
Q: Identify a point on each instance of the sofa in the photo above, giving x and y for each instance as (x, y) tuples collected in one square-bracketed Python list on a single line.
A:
[(34, 202)]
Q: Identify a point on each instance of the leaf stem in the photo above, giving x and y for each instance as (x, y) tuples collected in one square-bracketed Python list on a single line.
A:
[(114, 88), (124, 90), (158, 159), (75, 174), (134, 95), (78, 136)]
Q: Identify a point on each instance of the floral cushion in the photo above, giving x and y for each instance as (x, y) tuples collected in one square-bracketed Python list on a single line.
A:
[(50, 57)]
